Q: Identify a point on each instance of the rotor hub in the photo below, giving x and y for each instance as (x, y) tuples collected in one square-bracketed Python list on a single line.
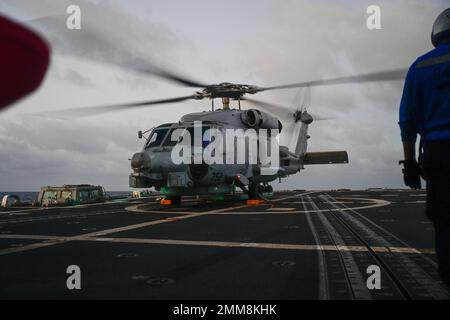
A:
[(228, 90)]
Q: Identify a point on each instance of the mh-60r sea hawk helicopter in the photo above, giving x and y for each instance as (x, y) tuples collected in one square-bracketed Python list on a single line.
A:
[(153, 166)]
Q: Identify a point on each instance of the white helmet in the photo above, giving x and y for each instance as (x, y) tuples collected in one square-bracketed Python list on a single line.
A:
[(441, 27)]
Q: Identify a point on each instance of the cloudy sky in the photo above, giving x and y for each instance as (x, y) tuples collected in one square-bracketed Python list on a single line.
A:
[(261, 42)]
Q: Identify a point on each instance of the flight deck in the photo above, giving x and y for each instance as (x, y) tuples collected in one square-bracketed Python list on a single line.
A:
[(298, 245)]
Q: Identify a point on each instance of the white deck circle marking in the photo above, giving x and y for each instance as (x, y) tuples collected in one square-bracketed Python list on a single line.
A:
[(371, 203)]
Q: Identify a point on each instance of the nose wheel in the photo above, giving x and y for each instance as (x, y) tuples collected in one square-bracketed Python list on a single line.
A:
[(259, 191)]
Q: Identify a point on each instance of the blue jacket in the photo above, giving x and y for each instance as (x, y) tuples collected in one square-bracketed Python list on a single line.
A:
[(425, 105)]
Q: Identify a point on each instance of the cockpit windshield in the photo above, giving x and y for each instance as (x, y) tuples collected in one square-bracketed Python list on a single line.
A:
[(205, 138), (156, 138), (169, 142)]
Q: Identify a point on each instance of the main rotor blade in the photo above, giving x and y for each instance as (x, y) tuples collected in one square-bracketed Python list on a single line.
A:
[(90, 111), (176, 78), (89, 43), (294, 132), (306, 98), (281, 111), (368, 77)]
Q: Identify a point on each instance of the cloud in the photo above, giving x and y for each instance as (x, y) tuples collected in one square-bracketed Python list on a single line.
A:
[(273, 43), (306, 40), (45, 151), (108, 34), (71, 75)]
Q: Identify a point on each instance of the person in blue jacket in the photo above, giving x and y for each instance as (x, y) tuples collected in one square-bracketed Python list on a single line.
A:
[(425, 110)]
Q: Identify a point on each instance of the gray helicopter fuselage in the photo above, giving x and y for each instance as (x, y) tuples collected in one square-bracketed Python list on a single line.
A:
[(154, 167)]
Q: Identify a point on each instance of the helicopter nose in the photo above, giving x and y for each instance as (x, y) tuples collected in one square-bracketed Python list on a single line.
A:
[(140, 161)]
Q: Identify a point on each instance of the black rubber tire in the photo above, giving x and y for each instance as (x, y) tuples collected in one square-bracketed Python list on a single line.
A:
[(255, 191), (176, 200)]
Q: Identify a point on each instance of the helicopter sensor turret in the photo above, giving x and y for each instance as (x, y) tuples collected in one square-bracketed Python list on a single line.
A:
[(140, 162)]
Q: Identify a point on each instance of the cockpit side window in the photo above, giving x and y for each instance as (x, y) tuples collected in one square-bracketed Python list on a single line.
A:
[(156, 138), (205, 139), (168, 142)]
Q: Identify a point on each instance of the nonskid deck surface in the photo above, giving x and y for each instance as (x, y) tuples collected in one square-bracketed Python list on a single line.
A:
[(299, 245)]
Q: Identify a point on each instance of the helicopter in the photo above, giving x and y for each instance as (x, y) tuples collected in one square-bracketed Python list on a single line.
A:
[(153, 166)]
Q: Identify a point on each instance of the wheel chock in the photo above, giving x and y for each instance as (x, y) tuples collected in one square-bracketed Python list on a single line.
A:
[(255, 202), (166, 202)]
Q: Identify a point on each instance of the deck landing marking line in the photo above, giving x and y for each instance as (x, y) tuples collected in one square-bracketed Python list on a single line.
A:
[(31, 237), (347, 202), (137, 208), (294, 196), (19, 213), (67, 207), (371, 203), (371, 222), (324, 290), (297, 202), (56, 216), (106, 232), (155, 222), (354, 275), (89, 236), (262, 245), (423, 278), (38, 245), (280, 209)]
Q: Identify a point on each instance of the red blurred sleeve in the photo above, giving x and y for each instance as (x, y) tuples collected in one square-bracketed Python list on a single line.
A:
[(24, 59)]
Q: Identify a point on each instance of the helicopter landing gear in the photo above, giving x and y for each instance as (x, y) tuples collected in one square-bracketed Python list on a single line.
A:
[(255, 197), (255, 191), (252, 194), (259, 191), (268, 189)]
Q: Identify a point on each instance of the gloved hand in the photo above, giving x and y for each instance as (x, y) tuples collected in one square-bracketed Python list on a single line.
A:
[(411, 174)]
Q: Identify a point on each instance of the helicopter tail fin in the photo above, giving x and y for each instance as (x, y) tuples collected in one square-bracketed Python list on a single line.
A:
[(302, 120), (301, 143), (309, 158)]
